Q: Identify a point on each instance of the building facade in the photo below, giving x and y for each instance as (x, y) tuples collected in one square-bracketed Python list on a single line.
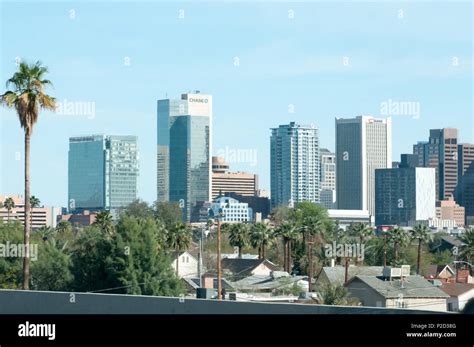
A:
[(184, 141), (328, 178), (233, 210), (294, 161), (102, 172), (363, 144), (44, 216), (449, 210), (223, 181), (404, 195)]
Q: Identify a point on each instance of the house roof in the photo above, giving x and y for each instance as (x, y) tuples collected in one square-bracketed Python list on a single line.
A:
[(411, 287), (258, 282), (456, 289), (244, 267), (336, 274), (435, 270), (452, 240)]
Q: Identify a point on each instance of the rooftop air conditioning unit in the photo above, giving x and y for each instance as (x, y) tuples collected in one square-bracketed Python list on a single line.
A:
[(405, 270), (391, 272)]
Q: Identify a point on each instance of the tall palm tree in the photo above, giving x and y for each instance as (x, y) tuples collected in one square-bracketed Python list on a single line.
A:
[(261, 236), (179, 239), (467, 251), (27, 97), (239, 236), (288, 232), (362, 231), (103, 220), (34, 203), (398, 237), (421, 233), (9, 204)]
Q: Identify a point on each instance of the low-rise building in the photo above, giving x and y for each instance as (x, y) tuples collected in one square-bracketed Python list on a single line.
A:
[(241, 268), (345, 218), (44, 216), (233, 210), (450, 210), (188, 264), (83, 219), (410, 292), (335, 275), (459, 295)]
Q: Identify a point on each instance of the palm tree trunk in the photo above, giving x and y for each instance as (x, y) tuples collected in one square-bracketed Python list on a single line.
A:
[(26, 259), (177, 263), (263, 251), (395, 250), (289, 256), (419, 256), (285, 255), (240, 252)]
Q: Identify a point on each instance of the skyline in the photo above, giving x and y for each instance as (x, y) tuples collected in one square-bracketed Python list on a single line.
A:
[(282, 68)]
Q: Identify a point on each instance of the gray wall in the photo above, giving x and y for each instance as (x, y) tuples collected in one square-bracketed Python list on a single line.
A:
[(36, 302)]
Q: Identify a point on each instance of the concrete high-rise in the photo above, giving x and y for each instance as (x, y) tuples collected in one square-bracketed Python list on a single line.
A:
[(328, 178), (404, 195), (223, 181), (294, 164), (184, 129), (363, 144), (102, 172)]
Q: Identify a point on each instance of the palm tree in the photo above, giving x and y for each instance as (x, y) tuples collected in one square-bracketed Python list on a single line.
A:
[(27, 97), (398, 237), (288, 232), (421, 233), (34, 203), (261, 236), (238, 236), (179, 239), (467, 251), (9, 204), (362, 231), (103, 220), (63, 227)]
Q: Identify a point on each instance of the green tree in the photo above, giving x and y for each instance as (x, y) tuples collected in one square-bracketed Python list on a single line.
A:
[(27, 97), (421, 233), (138, 209), (336, 295), (261, 236), (467, 251), (103, 220), (63, 227), (169, 213), (239, 236), (397, 237), (10, 267), (9, 204), (179, 240)]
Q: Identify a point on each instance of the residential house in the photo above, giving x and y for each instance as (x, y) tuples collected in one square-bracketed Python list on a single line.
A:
[(241, 268), (442, 273), (460, 294), (410, 292), (188, 264)]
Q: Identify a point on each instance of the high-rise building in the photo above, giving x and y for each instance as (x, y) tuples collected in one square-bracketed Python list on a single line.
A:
[(184, 147), (103, 172), (465, 188), (449, 210), (441, 153), (363, 144), (294, 157), (328, 178), (404, 195), (223, 181)]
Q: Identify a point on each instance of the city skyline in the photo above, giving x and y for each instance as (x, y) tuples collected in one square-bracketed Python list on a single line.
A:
[(277, 78)]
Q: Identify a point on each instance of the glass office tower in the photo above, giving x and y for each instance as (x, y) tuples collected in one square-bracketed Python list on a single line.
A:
[(184, 144), (103, 172)]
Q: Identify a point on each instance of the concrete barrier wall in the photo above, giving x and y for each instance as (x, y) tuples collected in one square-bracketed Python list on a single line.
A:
[(37, 302)]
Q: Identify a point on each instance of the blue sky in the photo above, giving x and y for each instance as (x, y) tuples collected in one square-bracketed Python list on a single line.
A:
[(396, 51)]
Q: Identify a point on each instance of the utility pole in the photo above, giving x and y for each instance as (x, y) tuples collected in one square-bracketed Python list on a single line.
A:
[(219, 264), (200, 259), (310, 277), (385, 248)]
